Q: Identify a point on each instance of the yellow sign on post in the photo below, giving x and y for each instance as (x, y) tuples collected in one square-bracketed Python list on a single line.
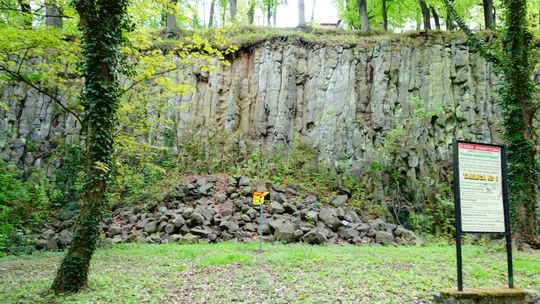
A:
[(260, 198)]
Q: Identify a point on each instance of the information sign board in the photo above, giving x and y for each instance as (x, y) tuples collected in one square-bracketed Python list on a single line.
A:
[(481, 188)]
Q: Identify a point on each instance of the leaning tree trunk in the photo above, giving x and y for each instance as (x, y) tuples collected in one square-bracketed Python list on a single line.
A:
[(489, 17), (101, 22), (425, 15), (436, 18), (518, 110), (364, 20)]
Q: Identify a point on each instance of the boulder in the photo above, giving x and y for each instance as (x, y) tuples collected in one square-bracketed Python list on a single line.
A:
[(244, 181), (48, 234), (315, 236), (189, 239), (340, 201), (197, 219), (65, 237), (150, 227), (41, 244), (201, 231), (329, 217), (114, 230), (230, 226), (383, 237), (169, 228), (284, 232), (179, 221), (276, 207)]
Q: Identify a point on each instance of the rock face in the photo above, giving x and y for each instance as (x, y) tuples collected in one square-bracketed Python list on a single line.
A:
[(345, 100), (208, 219)]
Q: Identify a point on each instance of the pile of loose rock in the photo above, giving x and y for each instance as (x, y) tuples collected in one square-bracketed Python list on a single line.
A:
[(220, 208)]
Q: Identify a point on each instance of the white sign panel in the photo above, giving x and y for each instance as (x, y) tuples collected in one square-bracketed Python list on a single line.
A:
[(481, 188)]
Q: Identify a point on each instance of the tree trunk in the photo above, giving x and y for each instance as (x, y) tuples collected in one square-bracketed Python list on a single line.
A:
[(268, 15), (172, 27), (53, 16), (301, 13), (425, 15), (211, 18), (450, 25), (101, 23), (232, 9), (436, 18), (519, 108), (313, 10), (362, 8), (251, 11), (385, 15), (274, 16), (489, 18)]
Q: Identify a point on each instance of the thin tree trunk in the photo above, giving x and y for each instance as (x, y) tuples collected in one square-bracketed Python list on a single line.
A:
[(172, 27), (385, 14), (450, 25), (251, 11), (489, 18), (232, 10), (101, 22), (425, 15), (313, 10), (436, 18), (362, 8), (211, 18), (52, 15), (268, 15), (301, 13), (274, 16)]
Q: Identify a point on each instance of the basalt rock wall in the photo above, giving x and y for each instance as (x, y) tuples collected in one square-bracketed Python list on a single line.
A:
[(348, 101)]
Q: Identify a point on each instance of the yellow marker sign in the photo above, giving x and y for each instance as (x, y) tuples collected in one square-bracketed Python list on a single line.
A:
[(259, 198)]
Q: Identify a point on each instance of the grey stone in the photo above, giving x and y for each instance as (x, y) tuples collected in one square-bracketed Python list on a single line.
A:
[(276, 207), (284, 232), (48, 234), (197, 219), (244, 181), (328, 216), (315, 236), (189, 239), (65, 237), (169, 228), (230, 226), (340, 201), (151, 227), (383, 237), (114, 229), (179, 221)]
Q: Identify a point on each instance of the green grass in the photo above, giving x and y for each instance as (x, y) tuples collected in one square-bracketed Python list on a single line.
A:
[(232, 272)]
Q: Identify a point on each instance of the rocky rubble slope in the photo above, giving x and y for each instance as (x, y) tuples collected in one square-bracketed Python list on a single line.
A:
[(219, 208)]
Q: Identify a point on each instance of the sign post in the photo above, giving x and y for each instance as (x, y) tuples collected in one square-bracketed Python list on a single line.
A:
[(259, 199), (481, 196)]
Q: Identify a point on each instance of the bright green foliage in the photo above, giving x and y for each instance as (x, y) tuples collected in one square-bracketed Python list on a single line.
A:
[(25, 202)]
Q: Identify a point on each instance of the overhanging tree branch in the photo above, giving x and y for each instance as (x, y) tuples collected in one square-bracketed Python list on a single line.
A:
[(20, 77)]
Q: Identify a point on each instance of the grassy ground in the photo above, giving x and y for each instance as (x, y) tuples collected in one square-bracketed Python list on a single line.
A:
[(231, 272)]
